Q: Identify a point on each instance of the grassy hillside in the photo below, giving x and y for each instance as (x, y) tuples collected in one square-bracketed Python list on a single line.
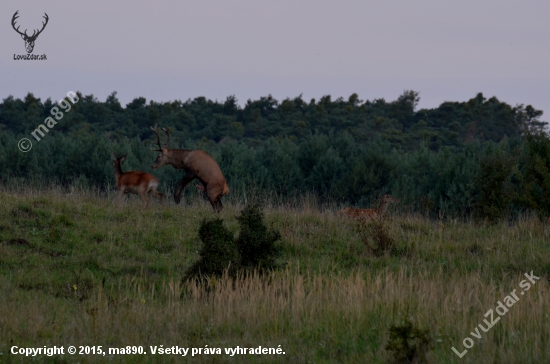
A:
[(77, 270)]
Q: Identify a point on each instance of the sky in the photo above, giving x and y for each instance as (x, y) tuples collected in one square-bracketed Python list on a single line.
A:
[(177, 50)]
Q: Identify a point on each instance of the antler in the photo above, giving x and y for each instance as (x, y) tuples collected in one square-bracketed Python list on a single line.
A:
[(34, 34), (167, 131), (167, 145), (43, 26), (15, 16), (158, 140)]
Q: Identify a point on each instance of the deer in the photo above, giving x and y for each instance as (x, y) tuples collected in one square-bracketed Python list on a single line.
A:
[(137, 182), (29, 40), (369, 214), (197, 164)]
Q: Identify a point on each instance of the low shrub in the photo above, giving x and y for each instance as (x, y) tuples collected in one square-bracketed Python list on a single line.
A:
[(221, 252), (377, 237), (218, 252), (408, 343), (256, 243)]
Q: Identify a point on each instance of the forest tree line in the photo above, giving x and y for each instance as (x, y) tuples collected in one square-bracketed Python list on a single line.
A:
[(481, 157)]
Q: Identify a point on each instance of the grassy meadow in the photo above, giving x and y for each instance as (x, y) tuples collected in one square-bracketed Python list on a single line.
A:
[(77, 270)]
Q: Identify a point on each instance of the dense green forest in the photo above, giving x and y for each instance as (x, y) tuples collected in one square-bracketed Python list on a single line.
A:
[(481, 157)]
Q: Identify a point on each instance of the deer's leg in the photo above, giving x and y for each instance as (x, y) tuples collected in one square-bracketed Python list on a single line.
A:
[(152, 189), (143, 194), (159, 195), (214, 196), (144, 199), (156, 193), (181, 186), (216, 204)]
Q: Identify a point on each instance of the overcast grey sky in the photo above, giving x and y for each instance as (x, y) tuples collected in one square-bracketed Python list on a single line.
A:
[(175, 50)]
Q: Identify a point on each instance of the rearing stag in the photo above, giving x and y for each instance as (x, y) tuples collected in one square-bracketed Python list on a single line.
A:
[(196, 164)]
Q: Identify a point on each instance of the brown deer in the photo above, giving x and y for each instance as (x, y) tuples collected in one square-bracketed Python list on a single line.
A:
[(137, 182), (369, 214), (196, 164)]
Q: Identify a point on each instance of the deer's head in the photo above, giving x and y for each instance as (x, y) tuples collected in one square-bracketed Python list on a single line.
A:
[(29, 39), (117, 163), (387, 198), (117, 159)]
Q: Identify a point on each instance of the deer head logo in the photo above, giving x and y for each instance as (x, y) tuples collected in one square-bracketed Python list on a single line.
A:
[(29, 40)]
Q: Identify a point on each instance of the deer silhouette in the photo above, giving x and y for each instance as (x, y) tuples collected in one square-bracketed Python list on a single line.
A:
[(29, 40)]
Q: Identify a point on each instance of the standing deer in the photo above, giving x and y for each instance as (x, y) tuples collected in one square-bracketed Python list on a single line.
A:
[(196, 164), (369, 214), (137, 182)]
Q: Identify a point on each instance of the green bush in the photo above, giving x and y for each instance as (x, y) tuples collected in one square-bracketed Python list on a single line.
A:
[(221, 252), (409, 344), (218, 252), (495, 186), (256, 243), (535, 169)]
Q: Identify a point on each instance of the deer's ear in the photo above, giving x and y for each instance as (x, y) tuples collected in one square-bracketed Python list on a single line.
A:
[(23, 36)]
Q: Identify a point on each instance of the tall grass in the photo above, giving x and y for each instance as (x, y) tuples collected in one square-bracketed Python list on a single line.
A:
[(76, 270)]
